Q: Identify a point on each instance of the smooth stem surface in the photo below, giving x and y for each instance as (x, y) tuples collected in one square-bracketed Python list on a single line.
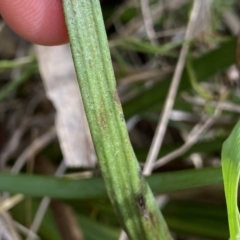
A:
[(129, 193)]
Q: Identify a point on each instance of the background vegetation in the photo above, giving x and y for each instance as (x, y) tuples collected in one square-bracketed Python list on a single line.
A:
[(187, 178)]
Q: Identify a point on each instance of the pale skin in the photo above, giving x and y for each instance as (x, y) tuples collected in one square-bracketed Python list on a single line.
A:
[(38, 21)]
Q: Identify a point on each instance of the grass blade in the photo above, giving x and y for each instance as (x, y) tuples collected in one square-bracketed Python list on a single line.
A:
[(231, 172), (40, 186)]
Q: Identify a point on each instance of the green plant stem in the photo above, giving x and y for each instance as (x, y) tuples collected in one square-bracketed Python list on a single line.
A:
[(131, 196)]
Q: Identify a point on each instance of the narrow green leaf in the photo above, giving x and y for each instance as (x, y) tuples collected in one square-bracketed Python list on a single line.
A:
[(137, 45), (95, 231), (40, 186), (231, 172)]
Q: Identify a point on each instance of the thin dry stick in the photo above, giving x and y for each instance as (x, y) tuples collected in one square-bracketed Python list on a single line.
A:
[(147, 21), (193, 137), (14, 141), (156, 11), (226, 106), (123, 236), (7, 204), (163, 122), (144, 75), (37, 145), (25, 231), (13, 144), (170, 32), (44, 205), (7, 228)]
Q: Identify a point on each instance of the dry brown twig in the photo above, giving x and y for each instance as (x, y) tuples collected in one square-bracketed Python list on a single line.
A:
[(7, 204), (192, 138), (157, 10), (25, 231), (224, 106), (7, 228), (31, 150), (12, 144), (163, 122), (148, 22), (144, 75), (37, 145)]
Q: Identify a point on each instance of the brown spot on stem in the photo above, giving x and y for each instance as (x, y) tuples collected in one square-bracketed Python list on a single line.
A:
[(152, 217), (141, 203), (154, 223), (116, 98)]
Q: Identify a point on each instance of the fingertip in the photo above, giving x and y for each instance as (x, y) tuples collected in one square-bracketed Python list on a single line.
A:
[(38, 21)]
